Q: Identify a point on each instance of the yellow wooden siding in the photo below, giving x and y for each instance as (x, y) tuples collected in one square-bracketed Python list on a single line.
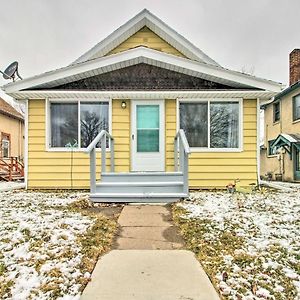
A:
[(147, 38), (52, 170), (217, 169), (206, 169), (121, 133)]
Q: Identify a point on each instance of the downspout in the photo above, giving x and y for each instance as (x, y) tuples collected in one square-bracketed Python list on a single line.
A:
[(258, 141)]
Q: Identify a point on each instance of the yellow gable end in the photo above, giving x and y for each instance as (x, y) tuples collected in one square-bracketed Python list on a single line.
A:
[(146, 38)]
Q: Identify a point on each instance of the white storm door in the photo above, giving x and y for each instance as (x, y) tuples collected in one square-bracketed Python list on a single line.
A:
[(147, 136)]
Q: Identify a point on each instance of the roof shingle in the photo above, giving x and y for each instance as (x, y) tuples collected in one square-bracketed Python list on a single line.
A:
[(7, 109)]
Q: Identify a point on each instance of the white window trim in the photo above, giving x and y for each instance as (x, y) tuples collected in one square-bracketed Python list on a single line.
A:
[(65, 100), (209, 100)]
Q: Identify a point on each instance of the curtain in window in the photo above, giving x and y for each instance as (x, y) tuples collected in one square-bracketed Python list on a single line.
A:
[(193, 120), (64, 124), (224, 125), (93, 119)]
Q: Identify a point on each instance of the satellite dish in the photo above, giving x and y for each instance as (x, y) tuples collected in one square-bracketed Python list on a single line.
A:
[(11, 71)]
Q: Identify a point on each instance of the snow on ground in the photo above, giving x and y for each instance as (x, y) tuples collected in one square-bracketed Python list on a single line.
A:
[(39, 251), (265, 262)]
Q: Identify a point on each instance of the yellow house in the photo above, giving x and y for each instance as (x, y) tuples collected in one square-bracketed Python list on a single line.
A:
[(144, 93)]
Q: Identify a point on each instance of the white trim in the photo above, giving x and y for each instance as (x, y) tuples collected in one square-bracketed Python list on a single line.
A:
[(146, 18), (78, 101), (142, 55), (258, 140), (162, 137), (208, 149), (193, 95), (26, 146)]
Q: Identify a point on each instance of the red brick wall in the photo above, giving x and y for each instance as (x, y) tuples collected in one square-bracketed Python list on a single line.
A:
[(294, 66)]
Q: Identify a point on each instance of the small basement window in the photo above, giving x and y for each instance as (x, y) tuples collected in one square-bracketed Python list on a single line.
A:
[(276, 112), (296, 108), (77, 123)]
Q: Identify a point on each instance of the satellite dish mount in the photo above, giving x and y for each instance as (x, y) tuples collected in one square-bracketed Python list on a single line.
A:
[(11, 71)]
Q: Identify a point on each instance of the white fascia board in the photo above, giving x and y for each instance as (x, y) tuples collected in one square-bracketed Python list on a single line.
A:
[(146, 55), (146, 18), (191, 95)]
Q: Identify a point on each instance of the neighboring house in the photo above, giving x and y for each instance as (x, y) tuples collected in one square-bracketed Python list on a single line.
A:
[(11, 131), (11, 142), (142, 84), (280, 156)]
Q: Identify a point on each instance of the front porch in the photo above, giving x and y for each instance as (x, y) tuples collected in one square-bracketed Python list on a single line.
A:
[(138, 186)]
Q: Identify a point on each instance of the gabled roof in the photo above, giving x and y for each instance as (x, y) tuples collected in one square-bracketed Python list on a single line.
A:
[(142, 55), (146, 18), (286, 139), (7, 109)]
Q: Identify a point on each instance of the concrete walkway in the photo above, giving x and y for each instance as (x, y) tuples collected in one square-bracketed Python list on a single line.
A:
[(147, 227), (137, 270)]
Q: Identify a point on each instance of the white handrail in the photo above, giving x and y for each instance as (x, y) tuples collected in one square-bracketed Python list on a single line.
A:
[(91, 149), (96, 140), (184, 151), (183, 140)]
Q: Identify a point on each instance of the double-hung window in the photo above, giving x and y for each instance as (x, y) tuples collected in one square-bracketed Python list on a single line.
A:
[(211, 124), (296, 108), (76, 124)]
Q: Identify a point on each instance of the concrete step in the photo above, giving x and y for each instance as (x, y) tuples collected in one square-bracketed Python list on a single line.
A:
[(142, 177), (137, 197), (140, 187)]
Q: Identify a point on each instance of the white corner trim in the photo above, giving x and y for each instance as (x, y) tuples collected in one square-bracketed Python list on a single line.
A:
[(258, 140), (146, 18), (142, 55), (209, 100), (26, 146)]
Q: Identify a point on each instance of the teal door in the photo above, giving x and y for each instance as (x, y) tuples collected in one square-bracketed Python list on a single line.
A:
[(297, 162), (147, 145)]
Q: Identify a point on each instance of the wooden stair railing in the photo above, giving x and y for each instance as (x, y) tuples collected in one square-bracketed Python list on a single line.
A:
[(11, 168)]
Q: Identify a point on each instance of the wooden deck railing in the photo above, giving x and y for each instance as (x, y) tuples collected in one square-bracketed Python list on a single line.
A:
[(11, 166)]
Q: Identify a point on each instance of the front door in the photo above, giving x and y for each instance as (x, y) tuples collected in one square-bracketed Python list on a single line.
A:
[(297, 164), (147, 136)]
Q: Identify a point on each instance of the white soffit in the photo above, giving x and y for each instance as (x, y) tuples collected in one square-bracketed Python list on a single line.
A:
[(146, 18), (142, 55), (191, 95)]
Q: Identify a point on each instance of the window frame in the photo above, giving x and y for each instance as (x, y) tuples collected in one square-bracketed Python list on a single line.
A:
[(274, 112), (209, 101), (293, 106), (78, 101)]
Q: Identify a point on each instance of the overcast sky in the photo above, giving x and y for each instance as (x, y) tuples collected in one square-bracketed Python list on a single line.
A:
[(255, 35)]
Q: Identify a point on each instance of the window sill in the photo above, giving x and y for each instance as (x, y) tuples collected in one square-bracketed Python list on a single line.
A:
[(277, 122), (296, 121), (207, 150), (272, 156), (81, 150)]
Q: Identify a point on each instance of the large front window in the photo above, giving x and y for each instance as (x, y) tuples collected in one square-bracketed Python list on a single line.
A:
[(77, 124), (211, 124)]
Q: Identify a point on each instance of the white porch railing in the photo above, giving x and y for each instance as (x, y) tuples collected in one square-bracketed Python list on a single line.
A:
[(91, 149), (181, 144)]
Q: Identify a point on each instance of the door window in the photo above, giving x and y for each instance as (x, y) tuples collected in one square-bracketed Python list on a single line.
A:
[(147, 120)]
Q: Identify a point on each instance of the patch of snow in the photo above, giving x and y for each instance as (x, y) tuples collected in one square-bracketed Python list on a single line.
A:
[(268, 224), (38, 243)]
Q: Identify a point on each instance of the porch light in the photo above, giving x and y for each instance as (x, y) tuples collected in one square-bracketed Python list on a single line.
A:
[(123, 105)]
